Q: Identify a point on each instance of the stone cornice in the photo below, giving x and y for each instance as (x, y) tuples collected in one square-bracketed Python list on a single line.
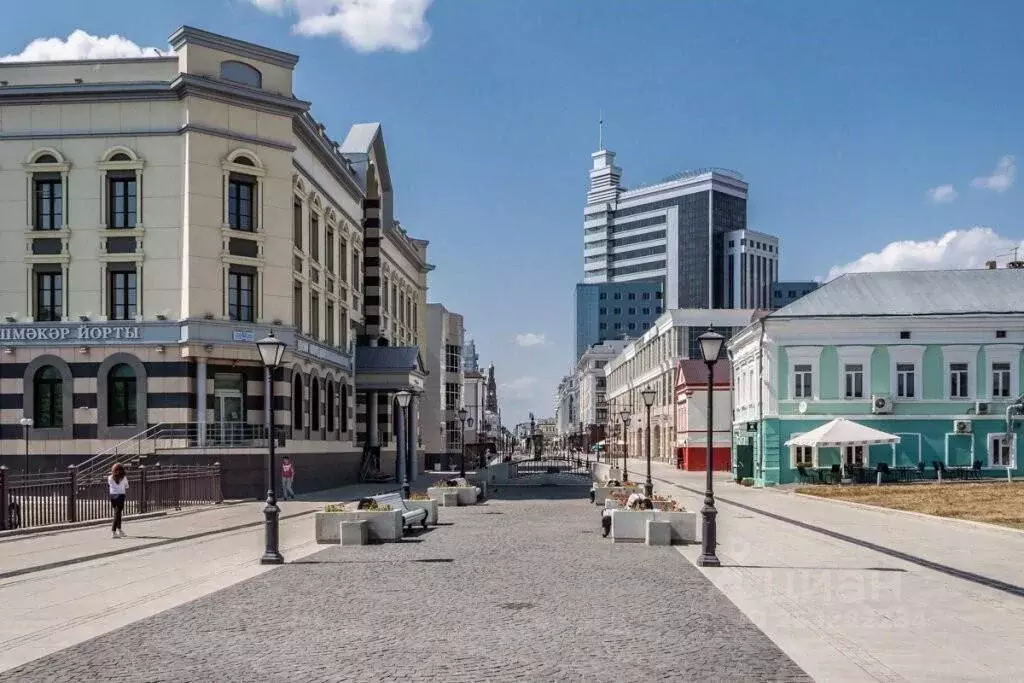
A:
[(194, 36)]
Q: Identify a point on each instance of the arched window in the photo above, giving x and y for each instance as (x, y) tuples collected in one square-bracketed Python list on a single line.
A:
[(297, 401), (241, 73), (314, 404), (48, 392), (122, 384), (120, 156), (46, 159), (244, 161), (344, 407), (331, 404), (48, 195)]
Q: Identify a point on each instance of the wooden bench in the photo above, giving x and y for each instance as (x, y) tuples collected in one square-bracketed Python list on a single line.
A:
[(409, 515)]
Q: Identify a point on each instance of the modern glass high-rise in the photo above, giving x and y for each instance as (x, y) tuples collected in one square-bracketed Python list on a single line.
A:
[(686, 235)]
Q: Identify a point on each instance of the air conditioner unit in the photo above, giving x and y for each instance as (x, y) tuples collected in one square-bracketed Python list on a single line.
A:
[(980, 408), (881, 404), (962, 426)]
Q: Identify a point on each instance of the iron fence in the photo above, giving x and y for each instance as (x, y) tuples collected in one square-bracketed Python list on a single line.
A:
[(45, 499), (568, 464)]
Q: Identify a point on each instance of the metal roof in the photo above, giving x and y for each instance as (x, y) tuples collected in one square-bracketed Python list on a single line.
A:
[(921, 292), (388, 359)]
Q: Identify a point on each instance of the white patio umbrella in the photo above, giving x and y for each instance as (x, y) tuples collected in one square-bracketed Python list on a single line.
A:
[(841, 432)]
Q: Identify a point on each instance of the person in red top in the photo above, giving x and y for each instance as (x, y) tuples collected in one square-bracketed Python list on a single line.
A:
[(287, 478)]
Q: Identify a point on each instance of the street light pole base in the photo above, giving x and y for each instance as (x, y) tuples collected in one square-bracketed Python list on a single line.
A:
[(648, 489), (271, 558), (708, 561)]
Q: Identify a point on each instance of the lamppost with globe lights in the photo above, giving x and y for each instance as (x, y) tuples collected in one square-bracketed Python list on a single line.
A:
[(648, 396), (463, 414), (625, 417), (271, 350), (710, 349), (403, 398)]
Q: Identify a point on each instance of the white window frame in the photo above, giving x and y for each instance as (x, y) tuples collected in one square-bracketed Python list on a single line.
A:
[(855, 355), (804, 355), (863, 455), (800, 387), (795, 450), (1004, 353), (960, 354), (906, 354), (1000, 437)]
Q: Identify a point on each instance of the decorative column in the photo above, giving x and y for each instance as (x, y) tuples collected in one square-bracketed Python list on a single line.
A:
[(201, 400), (414, 433)]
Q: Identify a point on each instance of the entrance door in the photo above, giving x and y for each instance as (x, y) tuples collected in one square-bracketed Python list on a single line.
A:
[(744, 461), (228, 409)]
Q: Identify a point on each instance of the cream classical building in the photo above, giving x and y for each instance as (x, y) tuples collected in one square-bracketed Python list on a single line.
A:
[(442, 429), (650, 361), (159, 216)]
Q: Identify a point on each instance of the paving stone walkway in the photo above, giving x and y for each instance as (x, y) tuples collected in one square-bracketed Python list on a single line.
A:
[(522, 588)]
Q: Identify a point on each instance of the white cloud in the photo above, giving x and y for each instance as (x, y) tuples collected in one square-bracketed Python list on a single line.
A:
[(518, 388), (943, 194), (366, 25), (81, 45), (1001, 179), (530, 339), (969, 248)]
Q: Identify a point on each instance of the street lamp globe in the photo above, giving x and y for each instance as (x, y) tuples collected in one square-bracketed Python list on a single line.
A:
[(463, 413), (271, 350), (648, 396), (711, 345), (624, 415), (403, 398)]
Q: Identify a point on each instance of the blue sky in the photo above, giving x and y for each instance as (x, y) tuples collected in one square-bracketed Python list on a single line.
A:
[(848, 119)]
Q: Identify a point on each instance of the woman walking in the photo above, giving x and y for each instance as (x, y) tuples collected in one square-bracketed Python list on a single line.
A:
[(118, 483)]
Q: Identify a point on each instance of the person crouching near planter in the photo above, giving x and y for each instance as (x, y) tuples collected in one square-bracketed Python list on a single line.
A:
[(636, 501), (118, 485)]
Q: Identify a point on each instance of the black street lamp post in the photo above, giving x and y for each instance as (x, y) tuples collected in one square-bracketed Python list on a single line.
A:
[(271, 350), (625, 416), (710, 349), (463, 414), (26, 425), (403, 398), (648, 396)]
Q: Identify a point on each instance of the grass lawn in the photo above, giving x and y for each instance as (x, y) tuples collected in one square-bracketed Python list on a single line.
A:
[(995, 503)]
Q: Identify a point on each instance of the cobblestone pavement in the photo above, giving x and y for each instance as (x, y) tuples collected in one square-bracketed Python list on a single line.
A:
[(522, 588)]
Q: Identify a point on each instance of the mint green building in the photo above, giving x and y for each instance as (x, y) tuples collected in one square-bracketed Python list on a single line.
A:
[(935, 358)]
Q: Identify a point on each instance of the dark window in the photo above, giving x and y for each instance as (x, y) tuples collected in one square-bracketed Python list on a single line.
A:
[(905, 334), (658, 309), (330, 249), (1000, 334), (632, 311), (297, 223), (604, 326), (241, 303), (344, 407), (122, 285), (603, 310), (603, 296), (329, 323), (49, 297), (49, 201), (314, 315), (647, 311), (314, 236), (121, 396), (314, 404), (632, 326), (330, 406), (122, 201), (357, 276), (297, 402), (297, 306), (242, 73), (48, 388), (241, 201), (647, 295), (618, 326), (616, 311), (657, 295), (632, 296), (617, 295)]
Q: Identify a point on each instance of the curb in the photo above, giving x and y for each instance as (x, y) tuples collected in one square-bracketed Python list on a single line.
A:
[(148, 546), (51, 529), (921, 515)]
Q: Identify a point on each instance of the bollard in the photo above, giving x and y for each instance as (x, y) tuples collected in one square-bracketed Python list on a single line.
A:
[(878, 477)]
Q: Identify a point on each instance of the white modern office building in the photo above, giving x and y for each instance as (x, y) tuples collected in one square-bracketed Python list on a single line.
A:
[(751, 268)]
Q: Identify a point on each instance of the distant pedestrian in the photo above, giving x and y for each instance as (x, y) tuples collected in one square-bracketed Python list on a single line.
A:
[(287, 478), (117, 482)]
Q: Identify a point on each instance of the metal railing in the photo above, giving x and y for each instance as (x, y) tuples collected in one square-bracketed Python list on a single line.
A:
[(40, 500), (550, 465), (174, 436)]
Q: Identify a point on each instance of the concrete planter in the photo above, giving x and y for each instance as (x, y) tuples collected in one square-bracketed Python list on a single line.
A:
[(466, 495), (601, 493), (381, 525), (631, 525), (429, 505)]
